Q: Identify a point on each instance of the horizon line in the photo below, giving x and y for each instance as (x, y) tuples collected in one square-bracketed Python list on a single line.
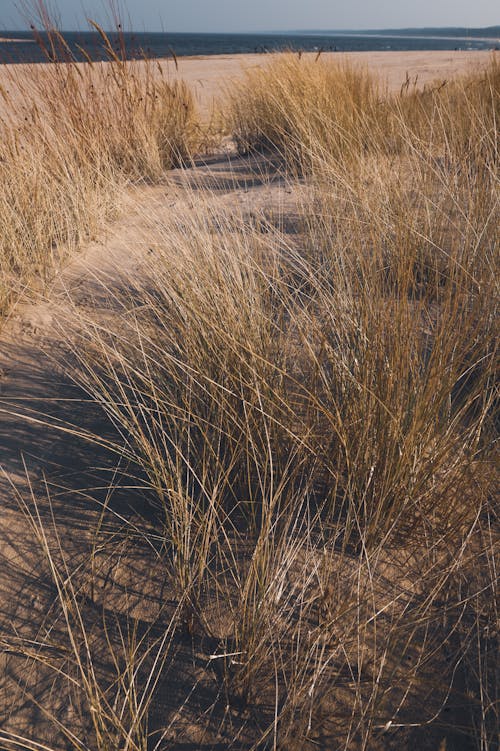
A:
[(370, 30)]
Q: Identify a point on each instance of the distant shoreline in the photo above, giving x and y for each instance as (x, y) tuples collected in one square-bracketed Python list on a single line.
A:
[(9, 40), (367, 35), (20, 47)]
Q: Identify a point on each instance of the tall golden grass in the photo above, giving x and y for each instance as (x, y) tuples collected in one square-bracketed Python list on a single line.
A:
[(315, 110), (71, 136), (296, 105), (314, 419)]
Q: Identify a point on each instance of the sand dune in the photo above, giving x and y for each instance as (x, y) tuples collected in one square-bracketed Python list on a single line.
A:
[(59, 476), (210, 75)]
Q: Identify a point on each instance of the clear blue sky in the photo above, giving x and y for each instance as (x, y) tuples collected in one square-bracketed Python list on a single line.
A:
[(260, 15)]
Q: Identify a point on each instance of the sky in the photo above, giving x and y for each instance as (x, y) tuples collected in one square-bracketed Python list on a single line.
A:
[(265, 15)]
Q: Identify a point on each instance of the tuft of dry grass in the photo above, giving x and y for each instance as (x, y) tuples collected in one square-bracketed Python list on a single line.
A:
[(71, 136), (295, 105), (317, 432), (313, 112)]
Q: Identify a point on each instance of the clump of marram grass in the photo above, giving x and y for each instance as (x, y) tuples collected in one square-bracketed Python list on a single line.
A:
[(71, 136), (302, 521), (313, 112), (296, 105), (455, 119)]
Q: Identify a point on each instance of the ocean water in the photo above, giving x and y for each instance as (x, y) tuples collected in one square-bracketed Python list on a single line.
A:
[(157, 45)]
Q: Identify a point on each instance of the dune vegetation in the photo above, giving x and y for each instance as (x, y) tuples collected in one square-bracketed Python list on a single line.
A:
[(311, 417), (72, 136)]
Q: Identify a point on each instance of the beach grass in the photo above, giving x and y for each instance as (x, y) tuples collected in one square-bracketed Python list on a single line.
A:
[(312, 110), (313, 421), (73, 135)]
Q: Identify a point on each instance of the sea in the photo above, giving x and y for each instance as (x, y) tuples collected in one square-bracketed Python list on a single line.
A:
[(25, 48)]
